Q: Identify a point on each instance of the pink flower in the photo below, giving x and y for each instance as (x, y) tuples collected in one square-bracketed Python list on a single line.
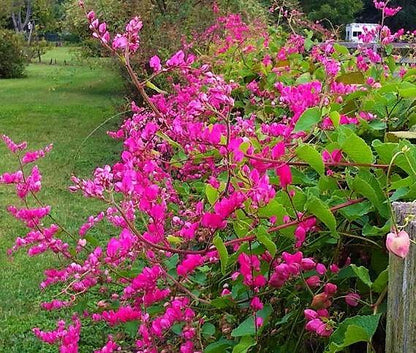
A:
[(330, 288), (259, 321), (155, 63), (398, 243), (120, 42), (285, 175), (332, 157), (334, 268), (310, 314), (321, 269), (256, 304), (12, 146), (391, 11), (91, 16), (214, 221), (190, 263), (313, 281), (352, 299), (177, 59)]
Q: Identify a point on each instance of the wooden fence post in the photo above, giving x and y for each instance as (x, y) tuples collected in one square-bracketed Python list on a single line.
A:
[(401, 302)]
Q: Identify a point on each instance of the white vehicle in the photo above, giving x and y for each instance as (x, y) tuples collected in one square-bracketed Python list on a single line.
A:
[(354, 30)]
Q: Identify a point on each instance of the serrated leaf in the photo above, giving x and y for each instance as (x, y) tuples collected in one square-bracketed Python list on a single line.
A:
[(212, 194), (308, 119), (222, 252), (321, 210), (262, 235), (311, 156), (355, 147), (363, 274)]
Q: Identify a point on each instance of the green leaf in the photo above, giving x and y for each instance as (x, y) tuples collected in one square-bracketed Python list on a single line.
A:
[(362, 187), (247, 326), (245, 343), (409, 92), (155, 88), (273, 208), (208, 329), (241, 224), (308, 119), (363, 274), (321, 210), (212, 193), (177, 328), (222, 302), (353, 330), (218, 347), (131, 328), (351, 78), (395, 136), (311, 156), (381, 281), (263, 237), (340, 49), (355, 147), (222, 252), (335, 118), (93, 241)]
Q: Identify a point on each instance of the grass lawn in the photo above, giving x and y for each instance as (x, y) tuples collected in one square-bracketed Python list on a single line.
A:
[(61, 105)]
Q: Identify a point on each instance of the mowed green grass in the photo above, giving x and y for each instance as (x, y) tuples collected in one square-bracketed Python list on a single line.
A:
[(59, 104)]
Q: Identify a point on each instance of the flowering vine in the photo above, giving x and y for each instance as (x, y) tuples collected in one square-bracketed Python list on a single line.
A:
[(226, 188)]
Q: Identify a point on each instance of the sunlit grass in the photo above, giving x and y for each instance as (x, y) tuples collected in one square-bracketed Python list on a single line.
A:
[(59, 104)]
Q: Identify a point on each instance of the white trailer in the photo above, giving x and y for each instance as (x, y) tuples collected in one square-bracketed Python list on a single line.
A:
[(354, 30)]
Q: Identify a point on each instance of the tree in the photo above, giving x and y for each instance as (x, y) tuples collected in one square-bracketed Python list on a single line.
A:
[(19, 13), (335, 12), (404, 19)]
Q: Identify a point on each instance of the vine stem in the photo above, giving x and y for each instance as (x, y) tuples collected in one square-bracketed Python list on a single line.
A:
[(393, 217), (328, 164)]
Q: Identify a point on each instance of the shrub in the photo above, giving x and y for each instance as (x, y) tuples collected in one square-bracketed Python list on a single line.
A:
[(12, 59), (249, 207)]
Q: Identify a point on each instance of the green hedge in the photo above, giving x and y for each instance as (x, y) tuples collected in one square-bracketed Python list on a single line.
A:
[(12, 59)]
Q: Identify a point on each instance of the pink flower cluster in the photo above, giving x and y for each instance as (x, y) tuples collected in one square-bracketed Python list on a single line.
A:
[(387, 11), (196, 166), (68, 337)]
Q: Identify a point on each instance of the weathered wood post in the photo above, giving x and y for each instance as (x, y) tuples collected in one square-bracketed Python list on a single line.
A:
[(401, 303)]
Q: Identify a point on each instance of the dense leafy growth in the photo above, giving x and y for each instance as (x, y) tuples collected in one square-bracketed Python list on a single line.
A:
[(12, 59), (249, 207)]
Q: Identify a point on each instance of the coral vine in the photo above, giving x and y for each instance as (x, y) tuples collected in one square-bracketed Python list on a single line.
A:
[(203, 191)]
